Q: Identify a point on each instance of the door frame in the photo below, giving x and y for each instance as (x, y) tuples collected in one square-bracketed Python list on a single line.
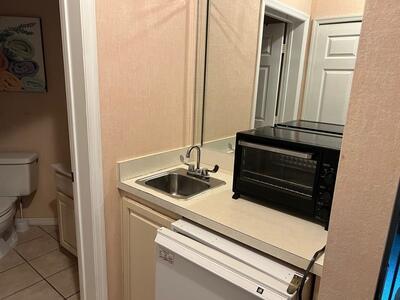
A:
[(315, 27), (79, 39), (294, 61)]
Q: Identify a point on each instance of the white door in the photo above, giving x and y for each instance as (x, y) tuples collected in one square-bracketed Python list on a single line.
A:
[(332, 62), (270, 68)]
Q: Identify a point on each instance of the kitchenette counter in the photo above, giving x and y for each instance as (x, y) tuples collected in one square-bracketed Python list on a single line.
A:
[(280, 235)]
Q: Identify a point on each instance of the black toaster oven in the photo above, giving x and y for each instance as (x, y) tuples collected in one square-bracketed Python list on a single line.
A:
[(288, 169)]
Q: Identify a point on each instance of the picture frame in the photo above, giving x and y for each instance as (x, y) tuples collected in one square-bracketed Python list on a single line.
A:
[(22, 67)]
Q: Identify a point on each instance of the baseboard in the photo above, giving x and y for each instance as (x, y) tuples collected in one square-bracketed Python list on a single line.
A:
[(41, 221)]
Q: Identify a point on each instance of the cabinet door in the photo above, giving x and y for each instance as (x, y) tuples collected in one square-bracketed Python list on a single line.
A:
[(66, 222), (140, 224)]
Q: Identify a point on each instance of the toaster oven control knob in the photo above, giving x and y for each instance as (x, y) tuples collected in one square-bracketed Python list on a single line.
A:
[(329, 178), (324, 213), (326, 198)]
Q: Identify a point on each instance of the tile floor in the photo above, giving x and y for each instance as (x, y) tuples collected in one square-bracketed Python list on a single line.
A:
[(38, 269)]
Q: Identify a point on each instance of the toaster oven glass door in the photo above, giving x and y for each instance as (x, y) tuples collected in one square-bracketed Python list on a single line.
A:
[(280, 169)]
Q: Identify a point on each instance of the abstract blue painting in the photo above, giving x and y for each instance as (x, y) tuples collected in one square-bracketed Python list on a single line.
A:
[(21, 55)]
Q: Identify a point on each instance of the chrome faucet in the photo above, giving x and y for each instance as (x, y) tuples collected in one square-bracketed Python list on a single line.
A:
[(202, 173), (189, 151)]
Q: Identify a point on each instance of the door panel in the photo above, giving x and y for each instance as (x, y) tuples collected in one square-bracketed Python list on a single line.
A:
[(270, 68), (331, 66), (331, 110), (342, 46), (262, 92), (66, 222)]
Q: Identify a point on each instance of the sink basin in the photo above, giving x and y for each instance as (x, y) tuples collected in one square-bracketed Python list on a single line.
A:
[(176, 183)]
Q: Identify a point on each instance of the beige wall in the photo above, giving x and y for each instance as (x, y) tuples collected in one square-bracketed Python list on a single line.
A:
[(38, 121), (146, 66), (334, 8), (303, 5), (370, 162)]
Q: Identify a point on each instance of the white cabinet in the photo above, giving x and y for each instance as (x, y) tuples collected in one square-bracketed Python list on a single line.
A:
[(139, 229), (66, 222)]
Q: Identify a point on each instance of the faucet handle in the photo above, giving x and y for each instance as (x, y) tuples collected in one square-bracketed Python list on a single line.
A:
[(190, 166), (215, 170), (182, 159), (205, 172)]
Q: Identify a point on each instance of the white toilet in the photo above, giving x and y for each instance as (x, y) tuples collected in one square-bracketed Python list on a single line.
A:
[(18, 177)]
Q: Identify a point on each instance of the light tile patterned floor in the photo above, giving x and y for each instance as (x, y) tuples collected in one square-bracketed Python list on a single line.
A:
[(38, 269)]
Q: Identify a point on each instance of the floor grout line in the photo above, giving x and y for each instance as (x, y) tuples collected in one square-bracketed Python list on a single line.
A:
[(17, 265), (41, 255), (28, 262), (72, 295), (24, 242), (27, 287), (59, 246), (40, 226), (71, 266), (44, 233), (17, 291), (42, 277)]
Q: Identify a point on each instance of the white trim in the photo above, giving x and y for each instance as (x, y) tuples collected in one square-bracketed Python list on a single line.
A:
[(142, 165), (342, 19), (286, 10), (41, 221), (258, 60), (78, 26), (291, 94), (315, 26), (293, 70)]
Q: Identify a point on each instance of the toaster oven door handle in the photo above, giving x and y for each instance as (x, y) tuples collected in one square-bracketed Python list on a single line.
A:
[(298, 154)]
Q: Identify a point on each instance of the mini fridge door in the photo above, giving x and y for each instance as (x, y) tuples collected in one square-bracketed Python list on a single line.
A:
[(189, 270)]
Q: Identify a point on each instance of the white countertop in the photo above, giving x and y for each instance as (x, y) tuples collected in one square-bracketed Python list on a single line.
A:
[(275, 233)]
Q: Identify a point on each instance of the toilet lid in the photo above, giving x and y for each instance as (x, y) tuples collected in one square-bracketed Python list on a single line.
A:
[(6, 203), (17, 158)]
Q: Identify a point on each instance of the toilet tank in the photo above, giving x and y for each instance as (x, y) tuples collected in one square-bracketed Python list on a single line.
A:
[(18, 173)]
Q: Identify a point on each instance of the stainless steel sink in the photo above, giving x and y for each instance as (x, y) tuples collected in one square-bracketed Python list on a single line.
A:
[(176, 183)]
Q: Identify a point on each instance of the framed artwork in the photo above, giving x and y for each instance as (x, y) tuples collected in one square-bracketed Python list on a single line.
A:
[(21, 55)]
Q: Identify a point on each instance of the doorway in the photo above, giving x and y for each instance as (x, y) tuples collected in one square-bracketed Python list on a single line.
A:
[(290, 27), (34, 134), (270, 71), (78, 29), (78, 61)]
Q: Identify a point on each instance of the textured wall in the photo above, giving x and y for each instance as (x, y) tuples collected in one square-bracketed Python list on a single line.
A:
[(370, 162), (38, 121), (303, 5), (146, 66)]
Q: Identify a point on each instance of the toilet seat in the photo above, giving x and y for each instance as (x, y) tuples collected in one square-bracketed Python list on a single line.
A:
[(6, 205), (8, 235)]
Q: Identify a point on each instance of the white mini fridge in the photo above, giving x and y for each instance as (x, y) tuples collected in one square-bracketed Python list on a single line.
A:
[(196, 264)]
